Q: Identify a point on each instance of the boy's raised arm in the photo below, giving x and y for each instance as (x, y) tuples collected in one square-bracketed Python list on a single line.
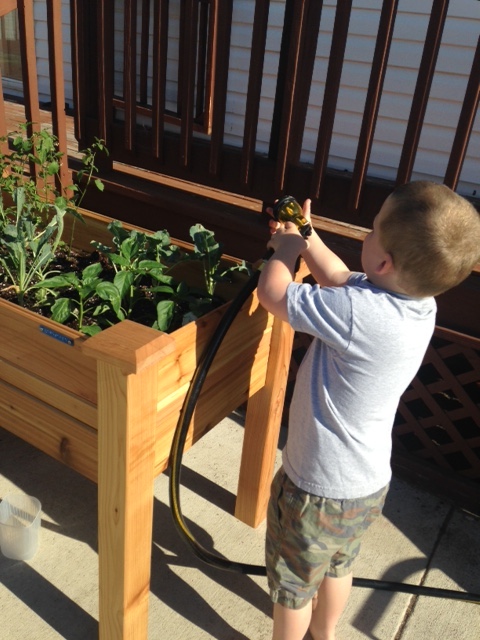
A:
[(325, 266), (279, 271)]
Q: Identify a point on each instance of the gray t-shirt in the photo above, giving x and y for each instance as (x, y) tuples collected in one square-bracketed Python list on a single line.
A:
[(368, 345)]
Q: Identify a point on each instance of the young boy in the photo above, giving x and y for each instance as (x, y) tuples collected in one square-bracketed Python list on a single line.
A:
[(370, 332)]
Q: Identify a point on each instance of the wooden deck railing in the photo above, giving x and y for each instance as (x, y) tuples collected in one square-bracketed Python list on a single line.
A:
[(31, 102), (136, 125), (242, 170)]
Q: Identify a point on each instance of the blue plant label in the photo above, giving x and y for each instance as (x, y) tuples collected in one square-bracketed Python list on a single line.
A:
[(58, 336)]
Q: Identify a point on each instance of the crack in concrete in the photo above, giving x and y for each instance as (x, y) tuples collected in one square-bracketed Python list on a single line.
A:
[(413, 601)]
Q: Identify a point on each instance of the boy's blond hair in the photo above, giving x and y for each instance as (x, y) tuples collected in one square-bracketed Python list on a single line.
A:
[(433, 236)]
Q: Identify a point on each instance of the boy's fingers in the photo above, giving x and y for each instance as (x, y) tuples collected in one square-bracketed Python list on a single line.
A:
[(274, 225), (307, 209)]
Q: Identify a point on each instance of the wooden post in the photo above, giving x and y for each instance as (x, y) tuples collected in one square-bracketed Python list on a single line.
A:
[(262, 426), (26, 26), (57, 89), (127, 384)]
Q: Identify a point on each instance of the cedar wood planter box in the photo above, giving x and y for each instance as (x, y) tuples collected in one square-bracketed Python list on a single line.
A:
[(107, 406)]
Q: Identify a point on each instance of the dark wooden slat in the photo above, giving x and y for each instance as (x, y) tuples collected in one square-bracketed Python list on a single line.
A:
[(471, 342), (372, 104), (77, 33), (308, 40), (422, 90), (57, 87), (210, 73), (29, 69), (104, 68), (222, 58), (3, 120), (160, 46), (7, 7), (293, 76), (255, 76), (187, 56), (144, 48), (330, 98), (465, 124), (129, 71), (203, 22)]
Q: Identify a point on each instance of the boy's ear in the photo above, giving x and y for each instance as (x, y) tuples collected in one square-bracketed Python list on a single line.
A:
[(385, 266)]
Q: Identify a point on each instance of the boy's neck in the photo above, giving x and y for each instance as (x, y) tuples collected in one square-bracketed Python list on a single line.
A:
[(388, 282)]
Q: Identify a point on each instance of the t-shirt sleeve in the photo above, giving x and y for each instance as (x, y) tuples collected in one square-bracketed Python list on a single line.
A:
[(322, 312)]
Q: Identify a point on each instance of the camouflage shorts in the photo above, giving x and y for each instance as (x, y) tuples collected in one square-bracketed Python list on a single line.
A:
[(309, 537)]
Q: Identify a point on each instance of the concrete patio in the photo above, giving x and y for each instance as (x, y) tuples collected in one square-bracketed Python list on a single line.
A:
[(420, 539)]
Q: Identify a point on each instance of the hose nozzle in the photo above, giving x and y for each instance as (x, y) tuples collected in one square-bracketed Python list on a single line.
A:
[(287, 209)]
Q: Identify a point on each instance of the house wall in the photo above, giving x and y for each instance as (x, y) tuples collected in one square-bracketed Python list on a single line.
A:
[(456, 54)]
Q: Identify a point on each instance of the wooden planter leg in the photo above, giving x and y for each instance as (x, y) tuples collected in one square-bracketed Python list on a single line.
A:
[(262, 427), (127, 392)]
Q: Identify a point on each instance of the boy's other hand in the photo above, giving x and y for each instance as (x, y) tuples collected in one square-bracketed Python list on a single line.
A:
[(274, 225), (286, 233)]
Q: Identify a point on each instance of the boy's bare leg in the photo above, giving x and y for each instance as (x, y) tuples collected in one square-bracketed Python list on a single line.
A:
[(291, 624), (332, 597)]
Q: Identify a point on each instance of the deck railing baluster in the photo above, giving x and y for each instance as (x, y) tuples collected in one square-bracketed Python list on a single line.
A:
[(255, 76), (57, 88), (159, 67), (465, 124), (129, 72), (224, 9), (186, 83), (29, 69), (330, 96), (144, 51), (372, 103), (422, 90)]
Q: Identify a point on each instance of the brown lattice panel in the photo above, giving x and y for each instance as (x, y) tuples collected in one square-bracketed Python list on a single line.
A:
[(439, 415)]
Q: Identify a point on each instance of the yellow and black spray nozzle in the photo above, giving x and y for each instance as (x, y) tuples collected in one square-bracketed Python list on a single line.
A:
[(287, 209)]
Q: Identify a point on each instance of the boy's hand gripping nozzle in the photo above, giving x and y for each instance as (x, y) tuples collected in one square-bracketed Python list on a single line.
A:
[(287, 209)]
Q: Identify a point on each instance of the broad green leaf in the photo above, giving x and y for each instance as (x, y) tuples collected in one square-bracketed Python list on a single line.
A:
[(90, 330), (109, 292), (123, 281), (53, 168), (62, 309), (162, 289), (59, 282), (150, 265), (92, 271), (165, 311)]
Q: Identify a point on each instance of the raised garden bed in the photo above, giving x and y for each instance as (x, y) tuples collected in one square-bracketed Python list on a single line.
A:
[(107, 406)]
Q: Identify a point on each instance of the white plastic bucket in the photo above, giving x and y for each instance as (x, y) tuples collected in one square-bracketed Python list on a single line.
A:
[(20, 518)]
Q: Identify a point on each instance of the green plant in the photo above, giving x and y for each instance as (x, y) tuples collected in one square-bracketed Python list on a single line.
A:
[(85, 288), (209, 252), (134, 281), (135, 278), (32, 211), (138, 260), (27, 250)]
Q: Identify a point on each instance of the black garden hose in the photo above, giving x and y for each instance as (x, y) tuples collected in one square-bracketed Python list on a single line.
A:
[(176, 456), (181, 431)]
